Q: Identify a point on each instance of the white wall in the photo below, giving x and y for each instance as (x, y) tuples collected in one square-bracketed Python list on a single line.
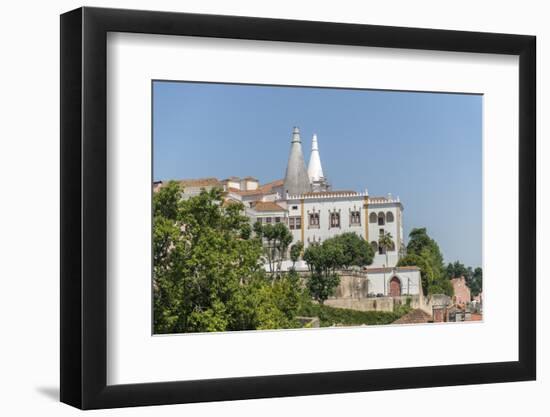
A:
[(392, 228), (324, 206), (410, 282), (30, 237)]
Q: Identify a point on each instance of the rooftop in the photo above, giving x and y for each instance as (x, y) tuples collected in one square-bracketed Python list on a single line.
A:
[(314, 193), (246, 192), (267, 206), (268, 187), (200, 182), (327, 194), (414, 317)]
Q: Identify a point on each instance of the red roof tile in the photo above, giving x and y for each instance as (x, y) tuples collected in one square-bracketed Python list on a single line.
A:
[(267, 206), (414, 317)]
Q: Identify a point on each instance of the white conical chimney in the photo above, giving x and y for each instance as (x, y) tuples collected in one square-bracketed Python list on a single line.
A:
[(296, 178), (315, 170)]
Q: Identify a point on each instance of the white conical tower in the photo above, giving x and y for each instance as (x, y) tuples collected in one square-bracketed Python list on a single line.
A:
[(315, 170), (296, 178)]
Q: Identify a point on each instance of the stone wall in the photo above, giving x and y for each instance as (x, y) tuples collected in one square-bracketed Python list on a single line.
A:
[(362, 304), (379, 303), (353, 293)]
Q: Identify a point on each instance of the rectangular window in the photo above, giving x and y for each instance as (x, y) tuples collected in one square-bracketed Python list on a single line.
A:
[(277, 220), (268, 219), (355, 219), (294, 223)]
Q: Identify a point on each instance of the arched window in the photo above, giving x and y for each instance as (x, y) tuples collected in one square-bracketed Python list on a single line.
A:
[(374, 245), (355, 218), (334, 219), (373, 218), (389, 217), (381, 218), (314, 220)]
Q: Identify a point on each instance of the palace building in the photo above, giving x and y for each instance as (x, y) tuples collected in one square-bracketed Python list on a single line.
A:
[(314, 211), (305, 201)]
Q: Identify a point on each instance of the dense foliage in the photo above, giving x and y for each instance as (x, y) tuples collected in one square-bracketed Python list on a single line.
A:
[(296, 252), (276, 239), (342, 251), (331, 316), (207, 273), (474, 277), (424, 252)]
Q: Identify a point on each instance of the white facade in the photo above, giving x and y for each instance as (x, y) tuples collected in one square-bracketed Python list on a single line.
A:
[(382, 280), (315, 217)]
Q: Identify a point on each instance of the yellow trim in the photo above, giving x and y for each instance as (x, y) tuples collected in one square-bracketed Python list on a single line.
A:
[(302, 220), (366, 199), (398, 229)]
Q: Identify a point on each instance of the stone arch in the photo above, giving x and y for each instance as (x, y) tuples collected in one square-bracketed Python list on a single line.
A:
[(373, 218), (389, 217)]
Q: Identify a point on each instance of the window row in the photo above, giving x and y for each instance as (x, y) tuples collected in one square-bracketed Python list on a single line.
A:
[(314, 221), (381, 218), (269, 220)]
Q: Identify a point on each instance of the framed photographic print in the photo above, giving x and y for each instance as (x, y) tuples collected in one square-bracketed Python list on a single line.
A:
[(256, 207)]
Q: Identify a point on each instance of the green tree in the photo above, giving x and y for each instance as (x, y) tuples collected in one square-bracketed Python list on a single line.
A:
[(458, 269), (424, 252), (323, 260), (474, 277), (357, 251), (322, 285), (385, 241), (423, 245), (207, 272), (277, 238), (295, 252), (476, 285)]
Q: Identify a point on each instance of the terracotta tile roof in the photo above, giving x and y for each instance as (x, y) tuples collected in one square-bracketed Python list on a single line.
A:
[(267, 188), (414, 317), (476, 317), (267, 206), (200, 182), (228, 202)]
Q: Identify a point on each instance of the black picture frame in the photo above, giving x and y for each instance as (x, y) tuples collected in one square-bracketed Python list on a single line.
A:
[(84, 207)]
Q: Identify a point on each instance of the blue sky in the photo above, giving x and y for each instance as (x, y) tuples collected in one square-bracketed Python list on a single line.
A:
[(425, 148)]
